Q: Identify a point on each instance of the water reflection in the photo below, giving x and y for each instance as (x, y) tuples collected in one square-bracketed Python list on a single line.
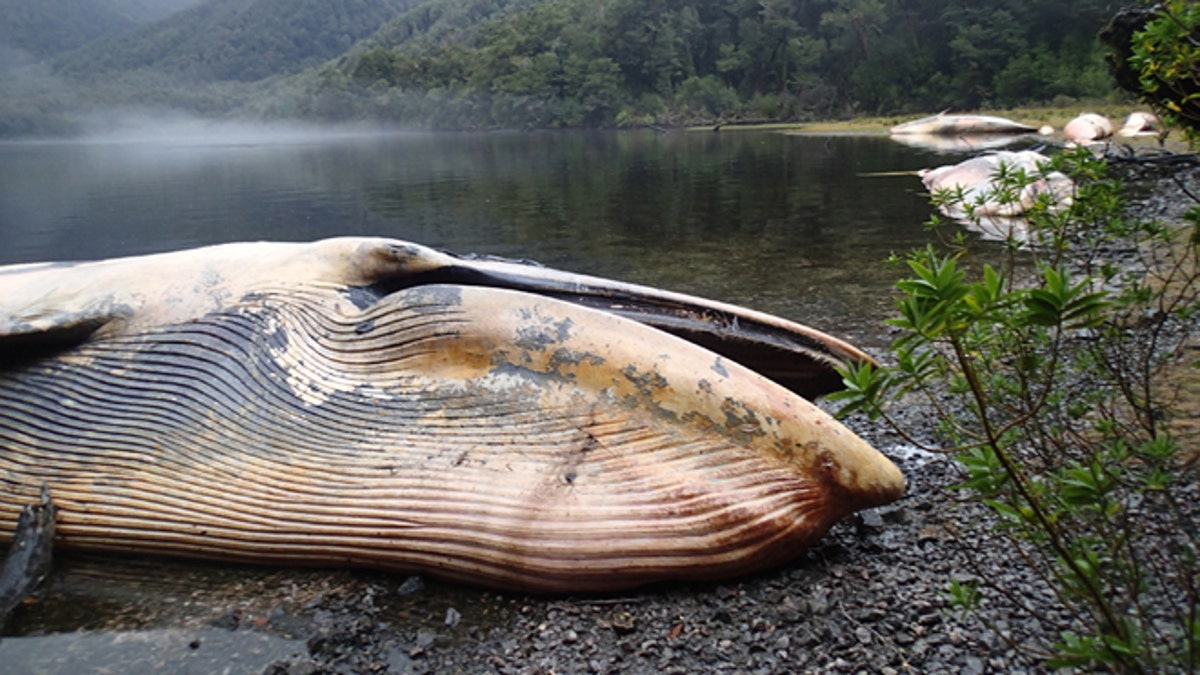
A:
[(964, 143), (788, 224)]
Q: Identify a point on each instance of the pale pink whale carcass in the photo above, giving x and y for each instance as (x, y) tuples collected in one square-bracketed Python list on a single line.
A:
[(1139, 123), (975, 183), (960, 125), (1087, 128)]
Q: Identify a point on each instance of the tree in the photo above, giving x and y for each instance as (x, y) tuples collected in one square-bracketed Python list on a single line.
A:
[(1156, 55)]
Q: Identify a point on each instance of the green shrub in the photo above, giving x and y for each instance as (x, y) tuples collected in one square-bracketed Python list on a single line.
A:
[(1043, 368), (1166, 58)]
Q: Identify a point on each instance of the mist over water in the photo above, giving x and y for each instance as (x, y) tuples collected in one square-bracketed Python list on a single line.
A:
[(788, 224)]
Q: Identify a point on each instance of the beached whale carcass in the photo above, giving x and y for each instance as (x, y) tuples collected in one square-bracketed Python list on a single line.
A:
[(1087, 128), (1140, 123), (371, 402), (978, 178)]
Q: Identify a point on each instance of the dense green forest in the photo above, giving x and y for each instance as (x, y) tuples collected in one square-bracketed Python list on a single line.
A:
[(236, 40), (47, 27), (546, 63), (615, 62)]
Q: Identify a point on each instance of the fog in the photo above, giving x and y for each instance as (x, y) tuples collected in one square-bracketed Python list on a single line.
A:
[(24, 79), (165, 127)]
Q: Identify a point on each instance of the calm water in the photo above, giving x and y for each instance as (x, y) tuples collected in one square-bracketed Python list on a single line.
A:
[(787, 224), (783, 223)]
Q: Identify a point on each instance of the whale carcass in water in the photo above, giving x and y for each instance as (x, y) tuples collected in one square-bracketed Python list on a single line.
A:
[(949, 144), (980, 198), (369, 402), (961, 125)]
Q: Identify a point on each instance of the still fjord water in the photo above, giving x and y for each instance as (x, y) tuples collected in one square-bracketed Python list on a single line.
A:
[(783, 223)]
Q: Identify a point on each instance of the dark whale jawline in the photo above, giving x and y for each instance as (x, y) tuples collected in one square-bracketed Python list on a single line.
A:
[(805, 363)]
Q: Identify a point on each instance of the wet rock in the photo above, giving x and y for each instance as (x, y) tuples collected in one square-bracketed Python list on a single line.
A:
[(425, 639), (623, 623), (228, 620), (870, 522), (397, 661), (411, 585), (819, 603)]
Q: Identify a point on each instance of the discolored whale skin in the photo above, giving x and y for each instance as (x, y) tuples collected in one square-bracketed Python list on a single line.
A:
[(1140, 123), (338, 403)]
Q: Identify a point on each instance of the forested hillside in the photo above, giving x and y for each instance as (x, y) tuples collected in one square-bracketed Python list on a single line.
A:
[(432, 22), (47, 27), (43, 28), (549, 63), (236, 40), (145, 11), (606, 62)]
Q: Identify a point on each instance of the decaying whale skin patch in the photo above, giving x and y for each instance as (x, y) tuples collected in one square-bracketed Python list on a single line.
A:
[(476, 434)]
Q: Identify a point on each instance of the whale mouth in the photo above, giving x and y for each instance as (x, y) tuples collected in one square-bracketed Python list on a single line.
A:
[(801, 359), (55, 306)]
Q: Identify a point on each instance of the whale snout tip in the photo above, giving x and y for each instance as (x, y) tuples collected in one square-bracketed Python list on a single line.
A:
[(889, 484), (863, 477)]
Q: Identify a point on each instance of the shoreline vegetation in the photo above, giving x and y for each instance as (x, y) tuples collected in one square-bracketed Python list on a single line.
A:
[(1054, 116)]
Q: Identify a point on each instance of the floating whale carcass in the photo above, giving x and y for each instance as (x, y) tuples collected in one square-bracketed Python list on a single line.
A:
[(960, 125), (370, 402), (980, 200)]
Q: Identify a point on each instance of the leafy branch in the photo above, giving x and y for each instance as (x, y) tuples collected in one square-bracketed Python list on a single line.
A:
[(1044, 371)]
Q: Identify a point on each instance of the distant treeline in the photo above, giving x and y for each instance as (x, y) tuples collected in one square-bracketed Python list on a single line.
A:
[(548, 63), (570, 63)]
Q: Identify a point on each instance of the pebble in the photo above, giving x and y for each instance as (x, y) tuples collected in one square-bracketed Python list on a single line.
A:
[(411, 585)]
